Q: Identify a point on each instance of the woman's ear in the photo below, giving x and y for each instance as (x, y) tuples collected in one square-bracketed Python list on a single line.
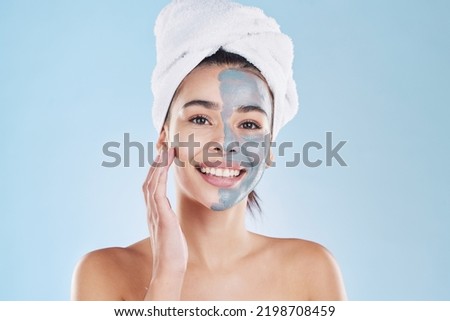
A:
[(163, 141)]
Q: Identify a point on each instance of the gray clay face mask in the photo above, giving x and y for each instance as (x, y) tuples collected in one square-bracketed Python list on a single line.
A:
[(243, 89)]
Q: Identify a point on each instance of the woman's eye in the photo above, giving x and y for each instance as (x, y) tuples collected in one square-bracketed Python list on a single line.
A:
[(199, 120), (250, 125)]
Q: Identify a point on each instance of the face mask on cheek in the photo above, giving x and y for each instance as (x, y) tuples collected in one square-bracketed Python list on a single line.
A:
[(240, 88), (252, 157)]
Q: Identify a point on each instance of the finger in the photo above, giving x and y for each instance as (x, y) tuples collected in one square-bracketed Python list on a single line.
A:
[(145, 186), (153, 166), (163, 152), (169, 156), (161, 187), (152, 178), (165, 159), (158, 186)]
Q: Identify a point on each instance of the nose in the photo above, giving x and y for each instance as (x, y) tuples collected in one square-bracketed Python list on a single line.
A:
[(224, 147), (225, 143), (232, 147)]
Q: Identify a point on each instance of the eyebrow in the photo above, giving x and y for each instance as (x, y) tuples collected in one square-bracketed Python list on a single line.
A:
[(246, 109), (215, 106), (204, 103)]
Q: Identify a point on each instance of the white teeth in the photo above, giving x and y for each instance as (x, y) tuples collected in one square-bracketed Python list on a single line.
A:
[(220, 172)]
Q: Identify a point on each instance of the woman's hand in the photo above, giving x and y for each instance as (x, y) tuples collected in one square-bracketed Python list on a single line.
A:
[(169, 247)]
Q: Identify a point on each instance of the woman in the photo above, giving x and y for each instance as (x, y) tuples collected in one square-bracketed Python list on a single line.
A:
[(216, 112)]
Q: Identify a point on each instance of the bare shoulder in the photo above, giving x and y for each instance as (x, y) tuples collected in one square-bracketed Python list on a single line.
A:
[(112, 273), (310, 266)]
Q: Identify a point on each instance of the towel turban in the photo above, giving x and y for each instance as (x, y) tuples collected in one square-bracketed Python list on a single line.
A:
[(187, 31)]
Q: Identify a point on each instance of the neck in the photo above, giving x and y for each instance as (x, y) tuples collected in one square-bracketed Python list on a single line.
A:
[(214, 238)]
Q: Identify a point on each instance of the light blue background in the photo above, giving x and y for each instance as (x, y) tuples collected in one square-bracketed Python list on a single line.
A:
[(76, 74)]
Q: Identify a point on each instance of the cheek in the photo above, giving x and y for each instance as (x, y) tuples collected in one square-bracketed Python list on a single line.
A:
[(188, 144), (256, 149), (191, 184)]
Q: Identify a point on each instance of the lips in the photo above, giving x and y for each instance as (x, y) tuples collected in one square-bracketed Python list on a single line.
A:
[(220, 172), (219, 176)]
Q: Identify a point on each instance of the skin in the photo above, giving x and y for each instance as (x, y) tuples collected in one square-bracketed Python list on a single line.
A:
[(195, 252)]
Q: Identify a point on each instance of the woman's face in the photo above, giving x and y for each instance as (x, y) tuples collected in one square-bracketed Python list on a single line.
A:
[(220, 126)]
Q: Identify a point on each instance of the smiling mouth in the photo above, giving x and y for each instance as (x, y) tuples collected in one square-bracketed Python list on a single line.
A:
[(221, 172)]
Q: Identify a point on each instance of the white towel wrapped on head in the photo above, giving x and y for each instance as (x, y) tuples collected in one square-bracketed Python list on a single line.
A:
[(187, 31)]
